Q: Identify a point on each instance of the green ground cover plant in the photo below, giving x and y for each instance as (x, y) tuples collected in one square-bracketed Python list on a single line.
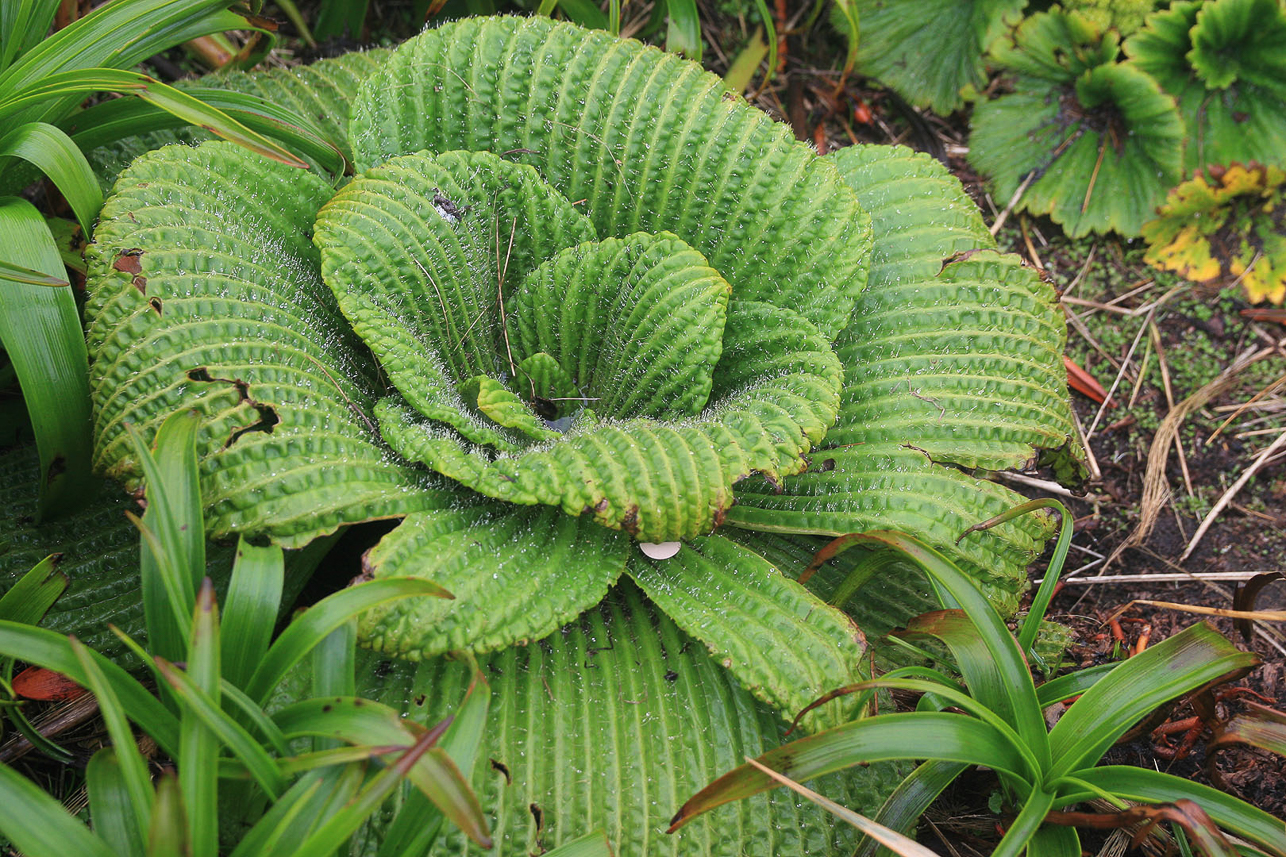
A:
[(1100, 109)]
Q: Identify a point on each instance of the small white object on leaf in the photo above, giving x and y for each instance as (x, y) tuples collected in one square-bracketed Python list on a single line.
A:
[(661, 550)]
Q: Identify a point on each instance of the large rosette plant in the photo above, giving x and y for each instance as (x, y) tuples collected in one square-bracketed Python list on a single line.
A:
[(578, 297)]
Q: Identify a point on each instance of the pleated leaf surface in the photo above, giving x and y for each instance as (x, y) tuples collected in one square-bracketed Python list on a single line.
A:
[(740, 605), (948, 365), (661, 481), (611, 723), (649, 142), (517, 574), (206, 295)]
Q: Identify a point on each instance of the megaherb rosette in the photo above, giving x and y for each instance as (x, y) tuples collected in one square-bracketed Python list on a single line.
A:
[(575, 297)]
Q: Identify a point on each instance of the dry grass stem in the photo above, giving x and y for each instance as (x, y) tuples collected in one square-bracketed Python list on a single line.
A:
[(1078, 324), (1255, 615), (1244, 406), (1104, 579), (1089, 434), (1224, 500), (1164, 366), (1156, 488), (1013, 200)]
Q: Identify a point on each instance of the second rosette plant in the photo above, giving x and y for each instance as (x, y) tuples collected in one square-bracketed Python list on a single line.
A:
[(575, 298)]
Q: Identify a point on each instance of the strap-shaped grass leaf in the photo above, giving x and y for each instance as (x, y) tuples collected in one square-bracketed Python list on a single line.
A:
[(56, 155), (40, 332), (206, 296), (637, 323), (100, 556), (928, 52), (545, 568), (1224, 64), (1234, 815), (741, 606), (775, 394), (610, 724), (41, 826), (1101, 138), (321, 93), (647, 140)]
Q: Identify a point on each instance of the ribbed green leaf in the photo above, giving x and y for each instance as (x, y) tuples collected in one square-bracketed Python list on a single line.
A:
[(205, 295), (321, 92), (961, 360), (1101, 138), (776, 637), (638, 327), (920, 393), (648, 141), (1234, 108), (545, 569), (418, 251), (887, 486), (928, 52), (610, 724), (965, 366), (40, 332), (774, 394)]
